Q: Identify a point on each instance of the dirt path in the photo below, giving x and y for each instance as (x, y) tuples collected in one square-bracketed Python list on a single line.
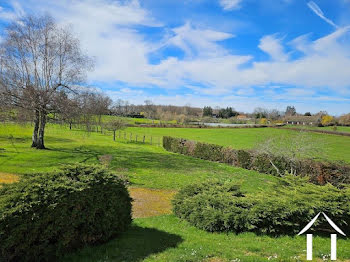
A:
[(147, 202), (8, 178), (151, 202)]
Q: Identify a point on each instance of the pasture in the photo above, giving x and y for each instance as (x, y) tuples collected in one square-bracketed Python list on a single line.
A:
[(164, 237), (334, 147), (345, 129)]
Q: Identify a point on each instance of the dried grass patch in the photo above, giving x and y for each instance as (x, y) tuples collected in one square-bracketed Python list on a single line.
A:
[(8, 178), (151, 202)]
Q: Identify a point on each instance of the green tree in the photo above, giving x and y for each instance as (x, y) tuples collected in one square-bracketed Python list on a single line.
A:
[(207, 111)]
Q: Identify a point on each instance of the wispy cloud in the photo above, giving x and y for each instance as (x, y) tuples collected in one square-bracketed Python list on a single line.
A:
[(317, 10), (230, 4), (271, 45), (198, 42)]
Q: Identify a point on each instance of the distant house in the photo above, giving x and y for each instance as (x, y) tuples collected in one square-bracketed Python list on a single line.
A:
[(302, 120), (242, 117)]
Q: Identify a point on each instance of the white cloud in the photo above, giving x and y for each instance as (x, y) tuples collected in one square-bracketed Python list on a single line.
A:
[(230, 4), (272, 46), (107, 31), (317, 10), (198, 42)]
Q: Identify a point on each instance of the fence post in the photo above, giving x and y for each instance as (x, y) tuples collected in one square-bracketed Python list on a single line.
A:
[(151, 140), (113, 135), (136, 138), (130, 137), (143, 141), (158, 141), (119, 134), (124, 135)]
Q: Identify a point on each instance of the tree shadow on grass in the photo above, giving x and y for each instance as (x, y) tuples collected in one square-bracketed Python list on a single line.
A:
[(131, 158), (134, 245)]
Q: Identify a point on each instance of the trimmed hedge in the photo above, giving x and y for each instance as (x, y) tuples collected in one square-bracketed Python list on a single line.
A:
[(46, 215), (319, 172), (220, 206)]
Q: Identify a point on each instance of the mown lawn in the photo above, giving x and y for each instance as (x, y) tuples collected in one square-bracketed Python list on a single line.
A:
[(334, 147), (160, 238)]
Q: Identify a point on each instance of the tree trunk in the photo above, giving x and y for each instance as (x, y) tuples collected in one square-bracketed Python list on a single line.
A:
[(40, 144), (113, 135), (36, 128)]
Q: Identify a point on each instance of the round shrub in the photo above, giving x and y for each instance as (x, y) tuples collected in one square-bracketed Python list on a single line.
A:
[(46, 215), (218, 206)]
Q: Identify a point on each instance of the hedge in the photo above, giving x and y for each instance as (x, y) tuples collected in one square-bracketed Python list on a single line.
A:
[(220, 206), (336, 173), (44, 216)]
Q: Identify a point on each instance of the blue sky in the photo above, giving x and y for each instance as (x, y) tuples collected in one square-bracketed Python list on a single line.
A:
[(239, 53)]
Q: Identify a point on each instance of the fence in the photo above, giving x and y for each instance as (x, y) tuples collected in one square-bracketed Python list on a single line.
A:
[(120, 135), (137, 138)]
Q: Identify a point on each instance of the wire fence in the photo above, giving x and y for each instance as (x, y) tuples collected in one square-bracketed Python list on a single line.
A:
[(134, 137), (121, 135)]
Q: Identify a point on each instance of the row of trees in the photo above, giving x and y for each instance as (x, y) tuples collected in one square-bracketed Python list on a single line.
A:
[(274, 114), (150, 110)]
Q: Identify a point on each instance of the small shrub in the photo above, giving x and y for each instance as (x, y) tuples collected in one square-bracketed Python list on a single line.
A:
[(243, 159), (229, 155), (46, 215), (105, 160), (217, 206), (189, 147)]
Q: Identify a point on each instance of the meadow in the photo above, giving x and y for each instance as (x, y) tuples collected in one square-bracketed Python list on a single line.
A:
[(165, 237), (345, 129), (334, 147)]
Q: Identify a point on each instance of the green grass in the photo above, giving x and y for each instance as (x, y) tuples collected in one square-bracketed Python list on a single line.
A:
[(163, 238), (335, 147), (130, 120), (345, 129), (166, 238), (146, 165)]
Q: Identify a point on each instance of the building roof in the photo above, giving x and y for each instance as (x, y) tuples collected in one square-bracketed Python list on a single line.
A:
[(307, 119)]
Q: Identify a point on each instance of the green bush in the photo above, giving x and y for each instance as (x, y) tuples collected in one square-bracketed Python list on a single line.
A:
[(220, 206), (208, 151), (319, 172), (244, 159), (46, 215)]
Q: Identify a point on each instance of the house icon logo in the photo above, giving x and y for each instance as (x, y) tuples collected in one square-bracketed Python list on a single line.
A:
[(333, 237)]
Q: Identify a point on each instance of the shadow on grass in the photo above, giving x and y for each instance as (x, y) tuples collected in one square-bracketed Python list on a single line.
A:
[(131, 158), (134, 245)]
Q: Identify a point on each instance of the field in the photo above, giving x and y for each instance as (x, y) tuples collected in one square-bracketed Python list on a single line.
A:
[(345, 129), (334, 147), (148, 167), (135, 121)]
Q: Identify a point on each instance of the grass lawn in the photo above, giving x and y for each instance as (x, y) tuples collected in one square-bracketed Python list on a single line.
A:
[(160, 238), (335, 147), (167, 238), (146, 165)]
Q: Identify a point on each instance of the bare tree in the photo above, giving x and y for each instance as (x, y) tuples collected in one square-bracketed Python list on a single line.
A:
[(292, 146), (114, 125), (39, 59), (101, 104)]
